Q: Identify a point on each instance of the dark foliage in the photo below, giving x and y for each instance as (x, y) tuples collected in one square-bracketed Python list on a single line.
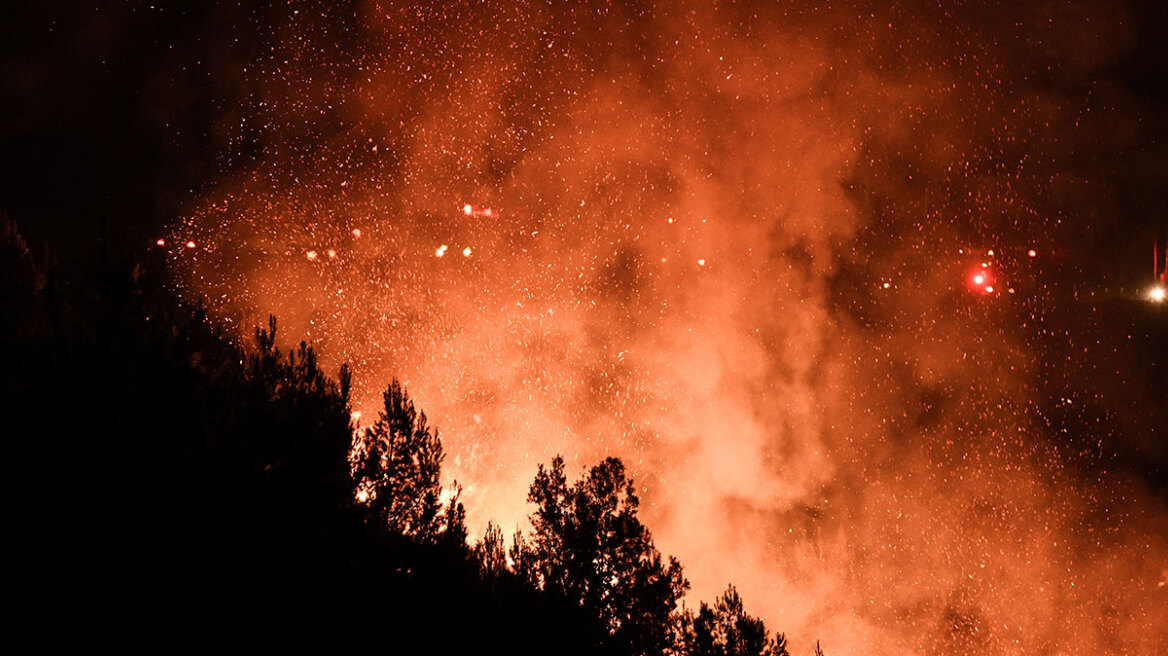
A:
[(397, 465), (727, 630), (589, 547), (169, 487)]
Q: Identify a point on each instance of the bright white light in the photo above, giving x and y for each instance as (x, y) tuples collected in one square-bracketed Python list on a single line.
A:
[(1157, 294)]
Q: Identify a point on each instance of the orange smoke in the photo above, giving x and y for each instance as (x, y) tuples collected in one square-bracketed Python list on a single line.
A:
[(687, 203)]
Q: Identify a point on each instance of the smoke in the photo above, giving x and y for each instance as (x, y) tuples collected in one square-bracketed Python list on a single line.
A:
[(728, 245)]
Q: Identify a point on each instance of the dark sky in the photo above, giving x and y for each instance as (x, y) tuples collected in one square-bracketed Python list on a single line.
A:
[(109, 112)]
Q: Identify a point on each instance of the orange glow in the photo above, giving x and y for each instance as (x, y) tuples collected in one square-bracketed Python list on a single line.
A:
[(865, 466)]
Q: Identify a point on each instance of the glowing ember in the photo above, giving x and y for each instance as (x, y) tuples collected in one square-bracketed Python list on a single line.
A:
[(311, 255), (190, 244), (1157, 294), (160, 242)]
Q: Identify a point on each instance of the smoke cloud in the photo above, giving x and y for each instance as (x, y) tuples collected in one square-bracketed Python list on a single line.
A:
[(727, 244)]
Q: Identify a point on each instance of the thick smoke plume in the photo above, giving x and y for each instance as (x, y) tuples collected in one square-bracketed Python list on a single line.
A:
[(728, 245)]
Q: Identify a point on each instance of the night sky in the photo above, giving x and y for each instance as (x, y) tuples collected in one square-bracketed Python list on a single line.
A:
[(858, 292)]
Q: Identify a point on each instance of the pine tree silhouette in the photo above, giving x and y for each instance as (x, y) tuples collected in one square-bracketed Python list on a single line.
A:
[(397, 469), (727, 630), (589, 547)]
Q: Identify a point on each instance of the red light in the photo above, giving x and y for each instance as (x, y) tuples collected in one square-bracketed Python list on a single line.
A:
[(1032, 253), (981, 280), (161, 242)]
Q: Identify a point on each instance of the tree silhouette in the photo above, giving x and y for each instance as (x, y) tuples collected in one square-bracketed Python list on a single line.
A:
[(397, 468), (227, 501), (589, 547), (727, 630), (490, 554)]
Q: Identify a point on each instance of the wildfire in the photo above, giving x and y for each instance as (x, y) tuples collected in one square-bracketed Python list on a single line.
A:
[(746, 392)]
